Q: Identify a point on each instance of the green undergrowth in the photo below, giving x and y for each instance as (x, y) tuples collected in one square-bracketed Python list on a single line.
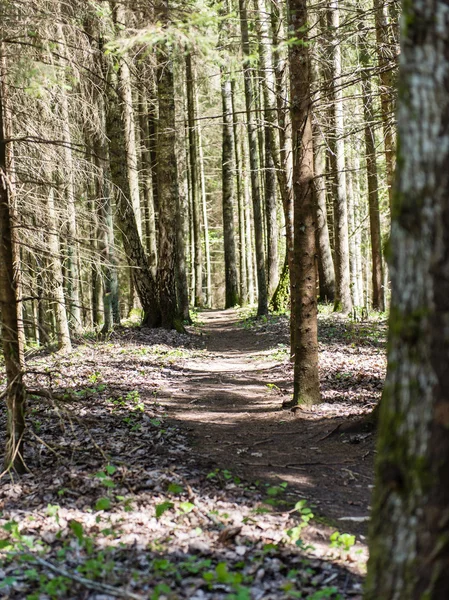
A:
[(72, 550)]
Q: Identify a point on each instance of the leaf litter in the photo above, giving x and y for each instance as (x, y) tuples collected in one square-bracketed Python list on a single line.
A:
[(119, 501)]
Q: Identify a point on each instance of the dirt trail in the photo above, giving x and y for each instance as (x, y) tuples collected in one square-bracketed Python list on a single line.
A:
[(230, 402)]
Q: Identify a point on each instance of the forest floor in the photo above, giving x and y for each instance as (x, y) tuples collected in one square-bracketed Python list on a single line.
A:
[(163, 465)]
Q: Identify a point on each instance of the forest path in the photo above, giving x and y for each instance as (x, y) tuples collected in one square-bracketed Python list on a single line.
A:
[(230, 402)]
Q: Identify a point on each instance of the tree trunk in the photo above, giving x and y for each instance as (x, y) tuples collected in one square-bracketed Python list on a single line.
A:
[(231, 282), (409, 549), (95, 279), (248, 236), (125, 217), (342, 270), (73, 279), (15, 388), (62, 324), (12, 188), (262, 308), (356, 300), (286, 148), (150, 219), (129, 125), (373, 186), (385, 58), (241, 205), (182, 230), (205, 215), (271, 140), (281, 297), (358, 225), (193, 163), (167, 184), (106, 237), (306, 380), (325, 261)]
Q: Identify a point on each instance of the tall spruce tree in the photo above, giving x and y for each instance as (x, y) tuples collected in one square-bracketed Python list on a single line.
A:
[(409, 550)]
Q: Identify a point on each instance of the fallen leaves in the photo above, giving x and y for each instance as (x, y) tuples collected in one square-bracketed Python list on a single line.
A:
[(116, 506)]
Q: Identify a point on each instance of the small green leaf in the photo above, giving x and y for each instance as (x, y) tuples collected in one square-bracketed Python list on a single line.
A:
[(110, 469), (8, 581), (175, 488), (77, 529), (11, 526), (52, 510), (222, 572), (161, 508), (103, 504), (186, 507), (108, 483)]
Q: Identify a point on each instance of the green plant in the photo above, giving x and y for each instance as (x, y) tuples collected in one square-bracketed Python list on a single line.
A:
[(343, 541), (175, 488), (96, 567), (163, 507), (224, 475), (195, 317), (159, 590), (221, 574), (281, 353), (95, 377), (105, 476), (134, 398), (306, 515)]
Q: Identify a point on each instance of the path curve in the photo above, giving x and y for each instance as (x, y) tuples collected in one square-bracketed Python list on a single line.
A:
[(230, 400)]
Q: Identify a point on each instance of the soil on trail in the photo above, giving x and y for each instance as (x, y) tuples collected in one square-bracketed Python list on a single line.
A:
[(230, 402)]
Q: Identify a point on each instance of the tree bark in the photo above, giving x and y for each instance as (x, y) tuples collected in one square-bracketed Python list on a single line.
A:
[(306, 380), (248, 226), (106, 236), (325, 261), (150, 219), (285, 150), (143, 280), (356, 300), (62, 323), (15, 388), (167, 184), (205, 213), (193, 163), (262, 307), (182, 233), (386, 55), (129, 125), (12, 189), (342, 270), (409, 547), (378, 296), (241, 204), (272, 164), (73, 279), (231, 281)]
